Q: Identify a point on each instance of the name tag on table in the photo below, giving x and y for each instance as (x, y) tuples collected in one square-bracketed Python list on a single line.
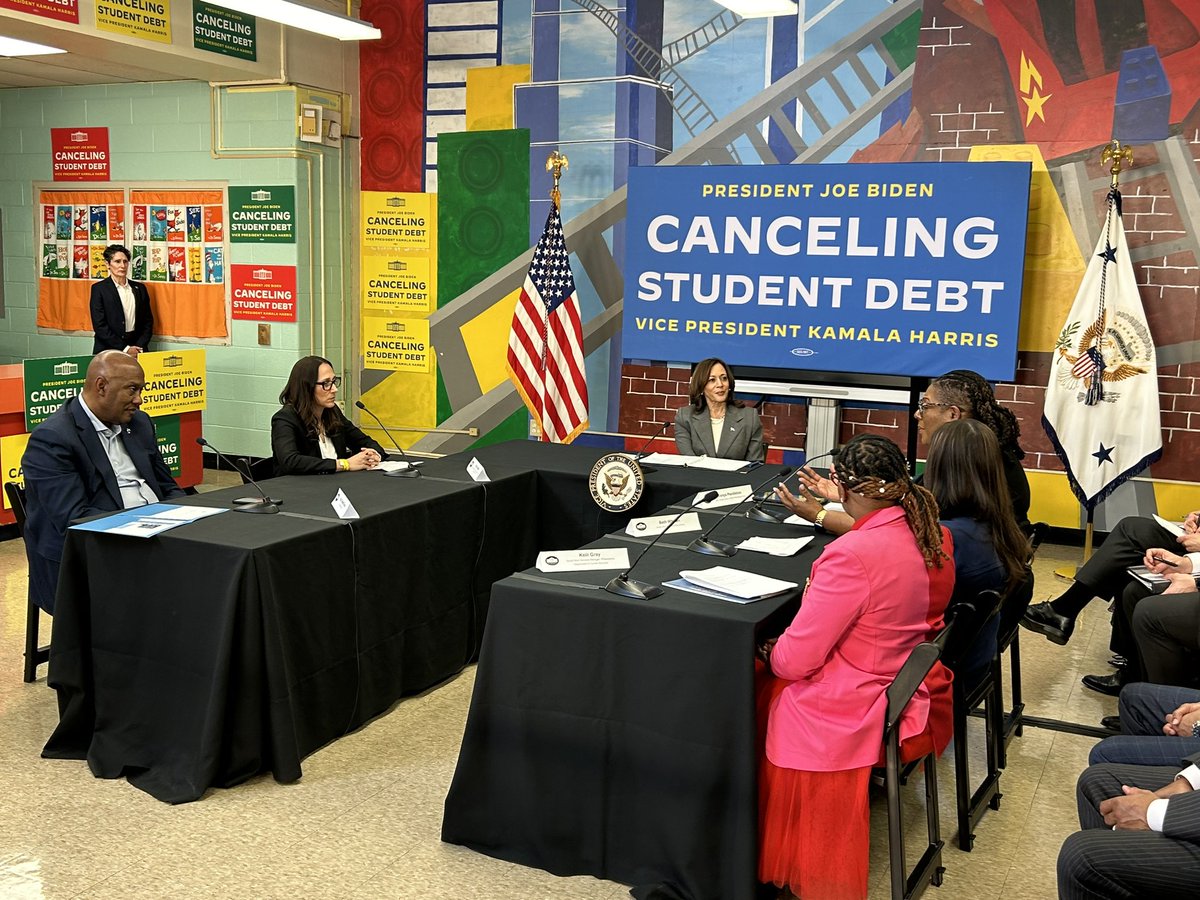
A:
[(343, 507), (476, 470), (725, 497), (391, 465), (649, 526), (595, 560)]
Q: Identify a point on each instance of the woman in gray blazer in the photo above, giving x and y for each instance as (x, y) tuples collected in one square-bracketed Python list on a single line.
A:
[(715, 423)]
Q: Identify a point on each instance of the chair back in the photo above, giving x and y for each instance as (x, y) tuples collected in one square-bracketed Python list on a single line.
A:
[(920, 661), (16, 499), (966, 620), (258, 470)]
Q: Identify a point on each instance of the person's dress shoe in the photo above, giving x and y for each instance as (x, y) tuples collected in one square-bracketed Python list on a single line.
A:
[(1112, 723), (1042, 618), (1105, 684)]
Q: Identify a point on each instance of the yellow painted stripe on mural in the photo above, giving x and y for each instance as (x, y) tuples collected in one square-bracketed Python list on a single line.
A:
[(490, 96)]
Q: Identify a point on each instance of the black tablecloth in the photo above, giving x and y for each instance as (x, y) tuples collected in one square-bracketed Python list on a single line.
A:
[(242, 643), (616, 737)]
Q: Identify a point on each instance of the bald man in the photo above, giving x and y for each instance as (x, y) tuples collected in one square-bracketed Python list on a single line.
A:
[(96, 454)]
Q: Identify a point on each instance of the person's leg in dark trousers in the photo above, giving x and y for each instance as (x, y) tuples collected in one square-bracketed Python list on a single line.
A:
[(1143, 709), (1167, 630), (1114, 865), (1122, 640), (1101, 576)]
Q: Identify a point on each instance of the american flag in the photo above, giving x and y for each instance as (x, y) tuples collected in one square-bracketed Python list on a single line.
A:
[(545, 345)]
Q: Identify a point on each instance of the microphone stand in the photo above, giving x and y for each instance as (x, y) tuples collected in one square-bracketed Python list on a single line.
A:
[(641, 454), (263, 505), (708, 547), (758, 514), (412, 471), (625, 586)]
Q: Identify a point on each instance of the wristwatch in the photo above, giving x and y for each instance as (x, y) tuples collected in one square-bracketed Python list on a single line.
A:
[(1196, 729), (820, 517)]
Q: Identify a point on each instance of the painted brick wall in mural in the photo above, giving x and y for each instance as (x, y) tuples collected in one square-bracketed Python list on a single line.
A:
[(685, 82)]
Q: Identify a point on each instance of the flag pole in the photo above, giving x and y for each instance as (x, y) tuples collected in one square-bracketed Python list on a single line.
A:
[(1115, 154), (556, 164)]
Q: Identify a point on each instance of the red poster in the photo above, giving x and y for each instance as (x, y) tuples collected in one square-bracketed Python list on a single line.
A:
[(116, 224), (62, 10), (80, 154), (139, 223), (264, 293), (177, 263)]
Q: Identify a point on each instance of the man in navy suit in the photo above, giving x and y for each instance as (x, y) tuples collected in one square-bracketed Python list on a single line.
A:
[(1141, 834), (97, 454), (120, 308)]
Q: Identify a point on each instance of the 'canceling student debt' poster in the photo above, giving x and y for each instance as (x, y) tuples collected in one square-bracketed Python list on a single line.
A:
[(906, 269)]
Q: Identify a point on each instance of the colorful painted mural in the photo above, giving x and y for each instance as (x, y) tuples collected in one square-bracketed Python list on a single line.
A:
[(686, 82)]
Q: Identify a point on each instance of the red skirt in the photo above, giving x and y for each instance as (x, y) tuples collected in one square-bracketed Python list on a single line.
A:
[(814, 828)]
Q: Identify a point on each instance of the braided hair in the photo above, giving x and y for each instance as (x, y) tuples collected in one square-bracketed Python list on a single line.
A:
[(972, 393), (874, 468)]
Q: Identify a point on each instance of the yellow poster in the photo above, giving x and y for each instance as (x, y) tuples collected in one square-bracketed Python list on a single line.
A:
[(396, 345), (12, 448), (391, 221), (396, 283), (146, 19), (176, 381)]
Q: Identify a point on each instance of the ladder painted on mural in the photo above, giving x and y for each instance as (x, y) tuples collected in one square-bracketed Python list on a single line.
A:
[(585, 234), (694, 113)]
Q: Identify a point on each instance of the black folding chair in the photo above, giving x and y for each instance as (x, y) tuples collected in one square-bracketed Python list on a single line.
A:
[(34, 655), (1009, 640), (928, 869), (967, 621)]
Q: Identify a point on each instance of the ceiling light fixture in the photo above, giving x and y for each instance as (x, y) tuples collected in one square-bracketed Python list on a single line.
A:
[(296, 15), (757, 9), (13, 47)]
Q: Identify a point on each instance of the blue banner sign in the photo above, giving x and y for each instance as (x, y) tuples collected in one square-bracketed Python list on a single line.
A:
[(899, 269)]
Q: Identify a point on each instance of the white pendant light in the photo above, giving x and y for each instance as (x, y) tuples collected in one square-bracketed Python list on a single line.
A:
[(757, 9), (297, 15)]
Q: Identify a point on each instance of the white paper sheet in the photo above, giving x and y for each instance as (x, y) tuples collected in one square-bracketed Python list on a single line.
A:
[(775, 546), (738, 583)]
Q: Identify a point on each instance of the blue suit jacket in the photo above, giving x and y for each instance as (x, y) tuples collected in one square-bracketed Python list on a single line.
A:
[(68, 476)]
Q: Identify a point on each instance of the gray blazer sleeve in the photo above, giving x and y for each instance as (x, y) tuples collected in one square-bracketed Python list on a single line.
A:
[(755, 452), (683, 432)]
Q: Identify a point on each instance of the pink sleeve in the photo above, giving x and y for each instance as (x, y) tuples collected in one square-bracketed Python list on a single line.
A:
[(836, 597)]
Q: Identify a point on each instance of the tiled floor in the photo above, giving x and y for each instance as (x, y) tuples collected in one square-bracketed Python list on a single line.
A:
[(364, 821)]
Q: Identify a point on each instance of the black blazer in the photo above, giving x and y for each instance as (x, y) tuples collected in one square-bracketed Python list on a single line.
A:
[(68, 476), (297, 452), (108, 317)]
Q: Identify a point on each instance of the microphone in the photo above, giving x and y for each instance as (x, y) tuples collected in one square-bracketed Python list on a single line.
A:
[(637, 457), (716, 548), (625, 586), (261, 505), (759, 514), (411, 471)]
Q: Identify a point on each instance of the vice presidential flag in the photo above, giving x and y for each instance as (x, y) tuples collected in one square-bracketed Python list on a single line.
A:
[(1102, 411), (545, 345)]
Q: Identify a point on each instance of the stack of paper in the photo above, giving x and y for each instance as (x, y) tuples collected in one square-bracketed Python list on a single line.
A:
[(147, 521), (734, 585), (775, 546)]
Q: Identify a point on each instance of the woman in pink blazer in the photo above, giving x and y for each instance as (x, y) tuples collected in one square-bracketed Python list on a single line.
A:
[(874, 594)]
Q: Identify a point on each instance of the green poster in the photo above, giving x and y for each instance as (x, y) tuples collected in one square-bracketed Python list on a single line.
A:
[(49, 383), (166, 429), (223, 31), (264, 214)]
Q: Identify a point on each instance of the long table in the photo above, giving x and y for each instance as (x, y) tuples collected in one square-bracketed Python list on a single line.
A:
[(617, 737), (241, 643)]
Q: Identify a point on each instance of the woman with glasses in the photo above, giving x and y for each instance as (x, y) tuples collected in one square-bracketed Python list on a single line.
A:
[(960, 394), (715, 423), (310, 435), (873, 595)]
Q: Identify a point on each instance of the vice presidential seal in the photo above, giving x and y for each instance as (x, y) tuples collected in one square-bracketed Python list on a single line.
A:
[(616, 482)]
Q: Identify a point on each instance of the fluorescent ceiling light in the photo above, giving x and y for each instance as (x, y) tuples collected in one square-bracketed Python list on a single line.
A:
[(755, 9), (13, 47), (298, 15)]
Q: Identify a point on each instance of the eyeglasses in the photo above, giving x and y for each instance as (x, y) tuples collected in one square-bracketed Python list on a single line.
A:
[(330, 383), (925, 405)]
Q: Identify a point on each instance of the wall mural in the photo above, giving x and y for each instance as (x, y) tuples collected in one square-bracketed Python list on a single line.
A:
[(686, 82)]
